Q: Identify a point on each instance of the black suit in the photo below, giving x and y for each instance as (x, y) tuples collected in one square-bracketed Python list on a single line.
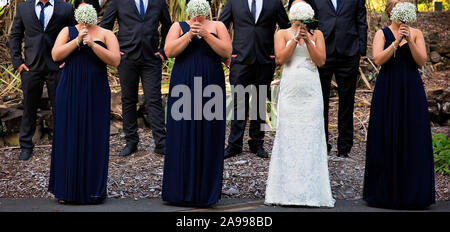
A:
[(38, 46), (253, 43), (345, 32), (139, 40)]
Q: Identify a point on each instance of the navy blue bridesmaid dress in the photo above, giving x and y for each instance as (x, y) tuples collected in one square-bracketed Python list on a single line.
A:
[(80, 153), (193, 162), (399, 170)]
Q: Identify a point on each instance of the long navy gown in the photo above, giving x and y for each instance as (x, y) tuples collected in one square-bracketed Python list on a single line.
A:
[(80, 154), (194, 148), (399, 158)]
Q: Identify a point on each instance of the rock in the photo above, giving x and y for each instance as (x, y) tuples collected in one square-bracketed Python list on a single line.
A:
[(37, 134), (439, 105), (435, 57), (442, 49), (11, 140), (11, 121), (115, 127), (116, 105), (47, 119), (240, 162), (349, 192), (141, 122), (231, 191)]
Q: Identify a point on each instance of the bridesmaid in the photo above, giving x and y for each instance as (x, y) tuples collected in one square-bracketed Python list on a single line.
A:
[(79, 165), (194, 148), (399, 164)]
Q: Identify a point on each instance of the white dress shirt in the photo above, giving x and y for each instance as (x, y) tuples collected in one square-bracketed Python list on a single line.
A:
[(48, 11), (259, 4), (334, 4), (138, 6)]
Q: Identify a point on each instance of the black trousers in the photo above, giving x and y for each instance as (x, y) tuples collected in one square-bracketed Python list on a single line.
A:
[(32, 87), (245, 75), (345, 70), (150, 75)]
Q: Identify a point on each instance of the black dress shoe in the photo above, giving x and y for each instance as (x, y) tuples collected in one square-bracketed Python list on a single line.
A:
[(230, 153), (343, 154), (128, 150), (160, 151), (25, 154), (260, 152)]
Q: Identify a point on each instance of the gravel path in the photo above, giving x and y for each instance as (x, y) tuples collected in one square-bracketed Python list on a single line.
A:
[(139, 176)]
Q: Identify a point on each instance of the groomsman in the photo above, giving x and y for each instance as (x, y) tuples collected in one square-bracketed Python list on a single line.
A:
[(252, 62), (39, 23), (142, 56), (344, 26)]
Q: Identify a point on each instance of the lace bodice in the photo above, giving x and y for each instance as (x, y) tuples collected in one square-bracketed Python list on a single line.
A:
[(300, 58)]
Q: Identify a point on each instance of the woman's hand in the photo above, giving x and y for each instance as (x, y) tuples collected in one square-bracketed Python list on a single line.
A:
[(305, 35), (198, 29), (83, 32), (87, 40), (404, 31)]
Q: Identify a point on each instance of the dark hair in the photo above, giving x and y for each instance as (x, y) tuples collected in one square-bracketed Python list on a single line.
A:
[(310, 26), (310, 2), (94, 3)]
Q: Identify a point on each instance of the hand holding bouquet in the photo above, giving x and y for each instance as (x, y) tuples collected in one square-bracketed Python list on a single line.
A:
[(405, 13), (303, 13), (87, 15)]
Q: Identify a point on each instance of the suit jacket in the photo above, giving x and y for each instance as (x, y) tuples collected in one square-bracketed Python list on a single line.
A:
[(38, 43), (345, 31), (253, 42), (138, 38)]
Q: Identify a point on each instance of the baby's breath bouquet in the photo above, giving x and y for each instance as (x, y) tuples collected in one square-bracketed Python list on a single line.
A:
[(86, 14), (404, 12), (304, 13), (196, 8)]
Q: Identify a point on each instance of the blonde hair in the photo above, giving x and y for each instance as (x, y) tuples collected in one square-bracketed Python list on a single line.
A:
[(390, 4)]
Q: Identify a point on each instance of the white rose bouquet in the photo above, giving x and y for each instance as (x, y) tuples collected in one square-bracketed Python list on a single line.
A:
[(86, 14), (404, 12), (196, 8), (304, 13)]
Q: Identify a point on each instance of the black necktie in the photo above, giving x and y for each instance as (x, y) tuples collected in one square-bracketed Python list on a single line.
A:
[(254, 9), (42, 14)]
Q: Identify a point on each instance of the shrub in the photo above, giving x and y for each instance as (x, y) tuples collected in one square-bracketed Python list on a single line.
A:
[(441, 150)]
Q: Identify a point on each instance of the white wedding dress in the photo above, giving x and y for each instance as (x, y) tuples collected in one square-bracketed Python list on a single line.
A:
[(298, 173)]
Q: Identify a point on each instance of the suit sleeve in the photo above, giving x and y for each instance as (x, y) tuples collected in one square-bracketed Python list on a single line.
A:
[(15, 40), (166, 23), (226, 15), (110, 15), (282, 17), (362, 27), (72, 21)]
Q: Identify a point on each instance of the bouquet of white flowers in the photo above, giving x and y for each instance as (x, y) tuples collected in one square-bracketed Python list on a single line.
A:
[(86, 14), (404, 12), (198, 7), (302, 12)]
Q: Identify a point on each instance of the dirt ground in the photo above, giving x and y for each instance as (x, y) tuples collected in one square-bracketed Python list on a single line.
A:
[(140, 175)]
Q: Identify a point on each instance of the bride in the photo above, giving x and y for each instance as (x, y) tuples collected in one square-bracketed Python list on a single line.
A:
[(298, 173)]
